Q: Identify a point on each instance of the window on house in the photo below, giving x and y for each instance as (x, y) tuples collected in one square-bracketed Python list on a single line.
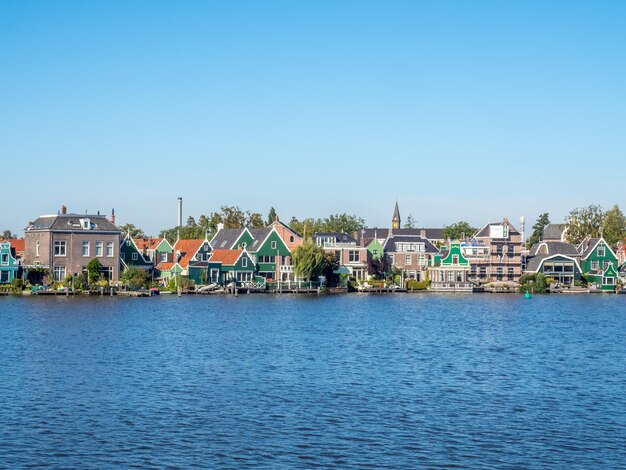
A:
[(273, 245), (511, 273), (601, 251), (291, 239), (244, 262), (608, 281), (455, 259), (223, 244), (135, 256), (353, 256), (128, 242), (5, 258), (122, 256), (109, 249), (60, 248), (85, 248), (375, 252), (99, 248), (37, 248), (594, 264), (605, 265), (59, 273), (407, 259), (163, 257)]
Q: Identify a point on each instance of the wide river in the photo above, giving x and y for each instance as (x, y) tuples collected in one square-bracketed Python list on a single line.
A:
[(353, 381)]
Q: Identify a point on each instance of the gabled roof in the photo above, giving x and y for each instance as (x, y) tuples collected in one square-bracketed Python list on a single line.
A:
[(226, 257), (188, 249), (260, 235), (391, 242), (71, 222), (338, 236), (163, 266), (588, 246), (552, 248), (553, 232), (278, 222), (485, 232), (144, 244), (226, 238), (366, 235)]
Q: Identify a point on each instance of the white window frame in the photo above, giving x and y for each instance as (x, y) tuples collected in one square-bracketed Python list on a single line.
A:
[(244, 262), (163, 257), (273, 244), (110, 249), (99, 248), (407, 259), (135, 256), (37, 249), (87, 245), (56, 272), (601, 251), (60, 248)]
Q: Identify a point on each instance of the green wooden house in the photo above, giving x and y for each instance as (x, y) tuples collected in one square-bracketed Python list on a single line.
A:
[(231, 265), (9, 265), (269, 252), (450, 270), (599, 264), (131, 255)]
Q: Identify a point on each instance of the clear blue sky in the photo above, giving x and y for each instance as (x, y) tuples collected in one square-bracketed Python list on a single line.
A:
[(459, 110)]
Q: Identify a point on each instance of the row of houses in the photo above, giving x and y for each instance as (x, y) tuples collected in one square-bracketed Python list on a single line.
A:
[(62, 244)]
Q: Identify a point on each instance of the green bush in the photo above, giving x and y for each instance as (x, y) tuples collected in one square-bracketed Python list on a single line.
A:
[(534, 283), (412, 284)]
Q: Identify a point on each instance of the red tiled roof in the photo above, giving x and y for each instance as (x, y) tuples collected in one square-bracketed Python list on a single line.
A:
[(187, 249), (164, 266), (226, 257), (17, 244), (144, 244)]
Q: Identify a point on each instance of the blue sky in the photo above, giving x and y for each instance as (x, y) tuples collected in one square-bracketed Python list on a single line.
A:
[(459, 110)]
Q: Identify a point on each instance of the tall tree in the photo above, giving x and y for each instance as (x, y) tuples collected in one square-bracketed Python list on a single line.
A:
[(584, 222), (542, 221), (410, 222), (7, 235), (458, 231), (233, 217), (309, 260), (254, 220), (271, 216), (614, 226), (135, 232)]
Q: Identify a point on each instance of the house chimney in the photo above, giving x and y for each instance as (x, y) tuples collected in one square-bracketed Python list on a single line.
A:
[(180, 211), (63, 210), (112, 218)]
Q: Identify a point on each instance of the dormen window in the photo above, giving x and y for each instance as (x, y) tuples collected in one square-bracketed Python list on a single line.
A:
[(60, 248), (85, 248)]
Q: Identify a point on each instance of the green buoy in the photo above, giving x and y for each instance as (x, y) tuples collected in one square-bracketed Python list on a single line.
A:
[(527, 295)]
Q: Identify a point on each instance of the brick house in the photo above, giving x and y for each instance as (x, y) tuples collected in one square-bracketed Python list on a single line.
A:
[(65, 243)]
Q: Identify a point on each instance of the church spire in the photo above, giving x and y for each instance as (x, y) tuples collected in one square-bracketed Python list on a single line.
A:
[(395, 222)]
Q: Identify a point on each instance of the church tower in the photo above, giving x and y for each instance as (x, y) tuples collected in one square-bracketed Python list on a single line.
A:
[(395, 222)]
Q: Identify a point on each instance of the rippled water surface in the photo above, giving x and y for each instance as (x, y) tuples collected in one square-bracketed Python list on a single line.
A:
[(358, 381)]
